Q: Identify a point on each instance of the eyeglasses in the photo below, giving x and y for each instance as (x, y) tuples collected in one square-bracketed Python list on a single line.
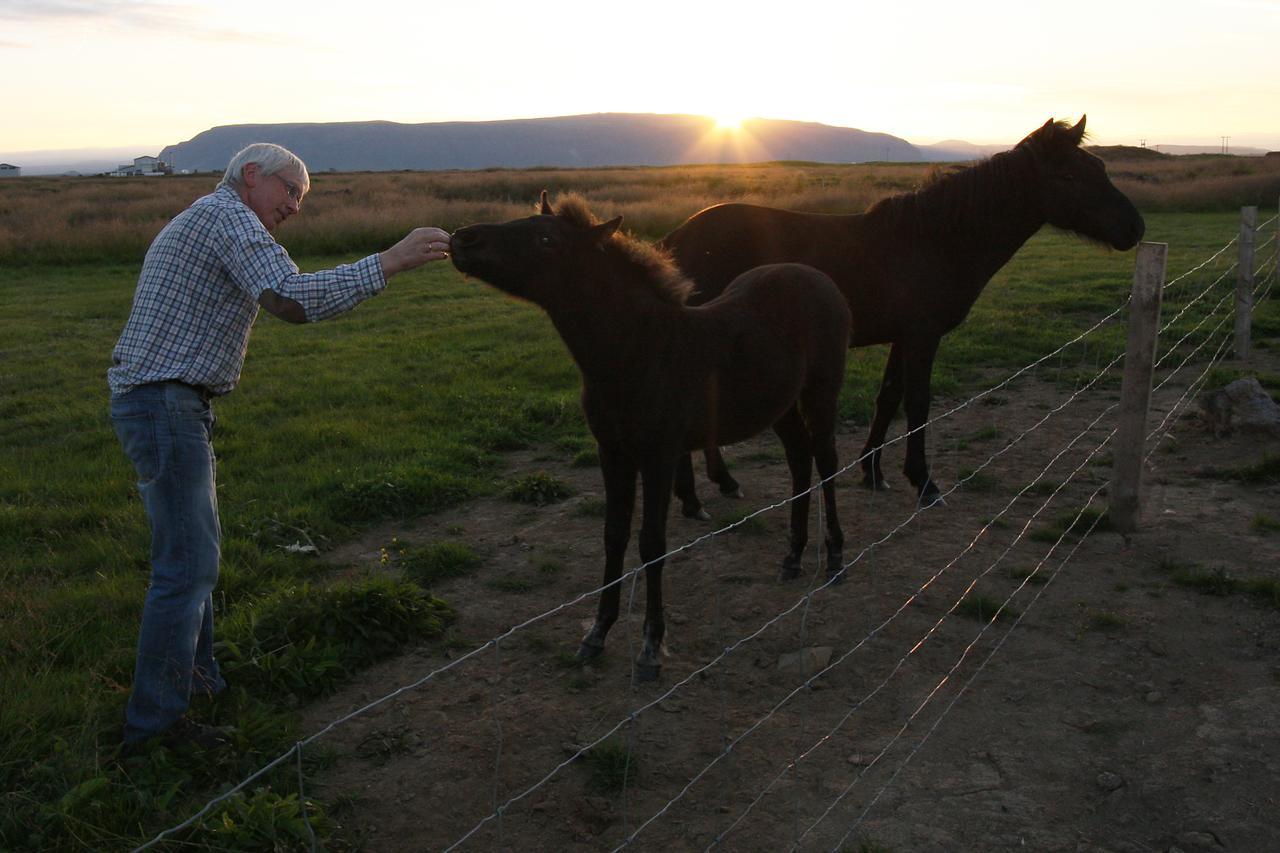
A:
[(294, 191)]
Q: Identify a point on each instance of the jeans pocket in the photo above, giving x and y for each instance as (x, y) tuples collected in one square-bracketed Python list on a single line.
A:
[(137, 434)]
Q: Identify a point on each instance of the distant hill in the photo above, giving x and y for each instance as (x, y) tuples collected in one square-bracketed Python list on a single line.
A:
[(603, 139), (956, 150)]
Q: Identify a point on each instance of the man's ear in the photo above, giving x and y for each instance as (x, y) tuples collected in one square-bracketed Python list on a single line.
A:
[(251, 174)]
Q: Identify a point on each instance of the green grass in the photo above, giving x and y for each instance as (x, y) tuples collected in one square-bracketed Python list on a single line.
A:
[(437, 562), (1263, 472), (984, 608), (1262, 523), (1073, 522), (612, 767), (539, 489), (401, 408), (1220, 583)]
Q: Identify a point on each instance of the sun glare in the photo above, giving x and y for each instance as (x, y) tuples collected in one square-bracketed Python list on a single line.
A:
[(728, 122)]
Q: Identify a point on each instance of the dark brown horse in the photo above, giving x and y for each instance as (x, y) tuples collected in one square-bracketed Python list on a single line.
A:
[(660, 379), (913, 265)]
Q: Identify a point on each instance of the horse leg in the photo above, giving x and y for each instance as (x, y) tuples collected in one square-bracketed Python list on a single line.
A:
[(620, 498), (687, 491), (719, 474), (828, 462), (795, 440), (917, 376), (887, 402), (656, 475)]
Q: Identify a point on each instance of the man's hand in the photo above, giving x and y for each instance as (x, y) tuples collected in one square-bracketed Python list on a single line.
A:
[(420, 246)]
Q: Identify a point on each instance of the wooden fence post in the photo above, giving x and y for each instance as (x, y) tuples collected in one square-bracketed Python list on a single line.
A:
[(1244, 281), (1135, 389)]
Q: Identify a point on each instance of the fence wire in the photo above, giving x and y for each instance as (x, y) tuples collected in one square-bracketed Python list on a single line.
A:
[(494, 644)]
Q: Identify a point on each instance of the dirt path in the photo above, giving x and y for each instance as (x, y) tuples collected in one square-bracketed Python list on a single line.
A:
[(1122, 712)]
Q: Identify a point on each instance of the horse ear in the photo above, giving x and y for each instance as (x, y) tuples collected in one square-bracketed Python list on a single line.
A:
[(605, 230), (546, 205), (1077, 132)]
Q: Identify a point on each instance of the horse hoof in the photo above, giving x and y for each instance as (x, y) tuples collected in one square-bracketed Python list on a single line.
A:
[(790, 568), (734, 491), (587, 651), (932, 500), (835, 576), (874, 485), (646, 671), (699, 514)]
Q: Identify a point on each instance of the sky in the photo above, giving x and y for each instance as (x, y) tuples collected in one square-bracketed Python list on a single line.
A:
[(85, 74)]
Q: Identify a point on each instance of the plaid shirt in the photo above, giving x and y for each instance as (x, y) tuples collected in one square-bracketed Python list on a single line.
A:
[(198, 294)]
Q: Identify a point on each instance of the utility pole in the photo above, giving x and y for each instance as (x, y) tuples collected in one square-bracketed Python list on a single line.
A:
[(1226, 145)]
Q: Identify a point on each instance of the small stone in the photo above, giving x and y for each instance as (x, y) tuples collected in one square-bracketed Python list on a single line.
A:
[(1108, 781), (808, 660), (1156, 648), (1199, 841), (1155, 697), (859, 759)]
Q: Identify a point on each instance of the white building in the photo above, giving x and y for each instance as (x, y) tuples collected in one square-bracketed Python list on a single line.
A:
[(146, 166), (8, 171)]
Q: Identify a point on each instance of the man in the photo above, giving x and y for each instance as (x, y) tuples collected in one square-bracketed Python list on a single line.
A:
[(202, 282)]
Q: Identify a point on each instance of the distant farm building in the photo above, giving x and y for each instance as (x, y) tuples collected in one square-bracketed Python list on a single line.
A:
[(147, 167), (8, 171)]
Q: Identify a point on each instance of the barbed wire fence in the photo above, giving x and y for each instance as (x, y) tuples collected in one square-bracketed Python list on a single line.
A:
[(1195, 318)]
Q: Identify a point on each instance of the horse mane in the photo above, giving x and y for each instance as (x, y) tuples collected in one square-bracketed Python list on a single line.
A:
[(656, 266), (950, 200)]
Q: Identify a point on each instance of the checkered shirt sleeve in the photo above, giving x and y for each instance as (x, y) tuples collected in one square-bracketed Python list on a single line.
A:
[(197, 296)]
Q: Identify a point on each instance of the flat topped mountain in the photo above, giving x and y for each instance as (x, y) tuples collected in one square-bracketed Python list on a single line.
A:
[(603, 139)]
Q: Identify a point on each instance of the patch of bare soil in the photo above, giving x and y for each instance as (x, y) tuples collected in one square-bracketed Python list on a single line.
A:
[(1122, 710)]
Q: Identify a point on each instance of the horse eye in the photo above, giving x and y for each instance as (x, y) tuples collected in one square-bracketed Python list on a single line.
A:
[(545, 241)]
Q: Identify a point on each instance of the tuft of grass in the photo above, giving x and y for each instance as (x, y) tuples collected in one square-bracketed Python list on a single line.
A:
[(590, 508), (612, 766), (585, 458), (1105, 620), (304, 641), (748, 526), (1265, 471), (1218, 582), (437, 562), (266, 820), (1073, 523), (1029, 574), (539, 489), (976, 481), (511, 583), (983, 608), (1264, 524), (987, 433)]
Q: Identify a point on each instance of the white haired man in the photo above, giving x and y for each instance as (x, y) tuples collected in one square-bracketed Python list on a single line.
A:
[(202, 282)]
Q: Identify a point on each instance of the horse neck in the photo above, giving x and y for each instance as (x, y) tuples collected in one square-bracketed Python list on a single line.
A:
[(608, 337), (989, 211)]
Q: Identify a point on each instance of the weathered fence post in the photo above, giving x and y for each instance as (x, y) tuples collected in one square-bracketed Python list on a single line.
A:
[(1135, 389), (1244, 281)]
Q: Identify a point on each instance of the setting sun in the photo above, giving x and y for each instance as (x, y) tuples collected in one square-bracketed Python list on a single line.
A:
[(728, 122)]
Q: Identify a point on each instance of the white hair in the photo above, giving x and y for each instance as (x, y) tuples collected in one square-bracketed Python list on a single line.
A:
[(271, 160)]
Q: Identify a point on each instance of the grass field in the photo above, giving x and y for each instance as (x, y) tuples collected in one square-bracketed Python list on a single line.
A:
[(398, 409)]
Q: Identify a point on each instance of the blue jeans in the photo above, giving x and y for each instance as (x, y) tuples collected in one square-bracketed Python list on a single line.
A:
[(166, 429)]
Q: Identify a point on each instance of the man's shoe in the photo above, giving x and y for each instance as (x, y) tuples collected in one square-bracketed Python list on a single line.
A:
[(185, 732)]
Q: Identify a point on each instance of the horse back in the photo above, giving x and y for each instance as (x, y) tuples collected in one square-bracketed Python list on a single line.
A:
[(716, 245)]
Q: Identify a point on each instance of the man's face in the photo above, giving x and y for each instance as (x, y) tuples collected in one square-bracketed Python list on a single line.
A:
[(274, 198)]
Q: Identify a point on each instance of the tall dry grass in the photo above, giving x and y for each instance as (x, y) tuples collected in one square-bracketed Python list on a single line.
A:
[(90, 220)]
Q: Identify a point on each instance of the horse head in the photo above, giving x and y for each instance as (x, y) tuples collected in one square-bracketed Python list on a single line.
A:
[(1075, 192), (534, 258)]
